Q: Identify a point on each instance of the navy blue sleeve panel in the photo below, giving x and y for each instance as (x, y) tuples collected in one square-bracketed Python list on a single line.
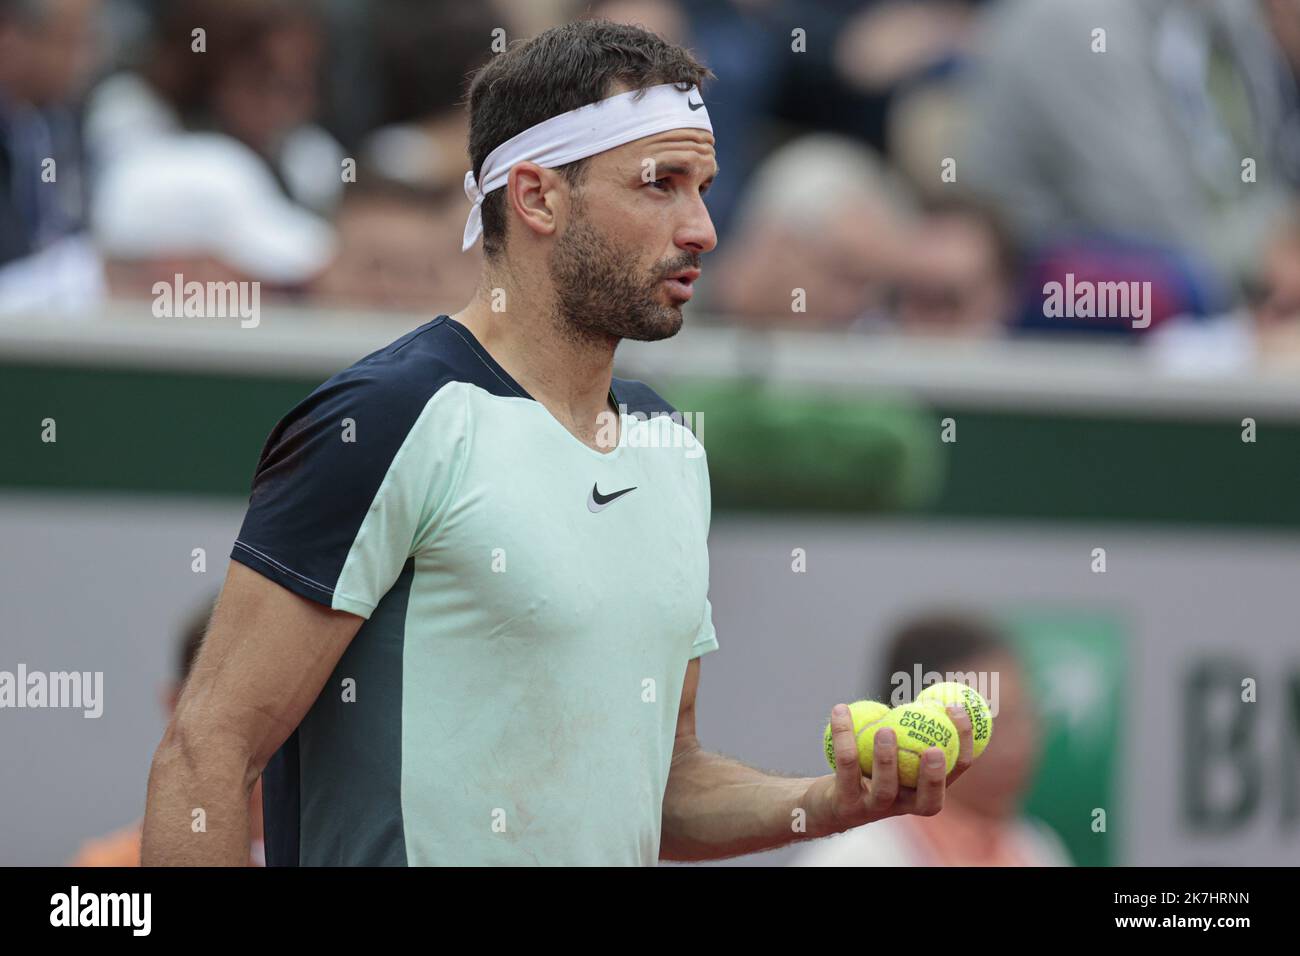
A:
[(280, 803), (639, 397), (312, 488)]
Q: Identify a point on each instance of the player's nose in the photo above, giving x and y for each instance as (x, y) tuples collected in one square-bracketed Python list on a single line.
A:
[(696, 234)]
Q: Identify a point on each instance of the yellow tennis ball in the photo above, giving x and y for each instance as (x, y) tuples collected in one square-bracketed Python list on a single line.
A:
[(864, 714), (977, 708), (918, 728)]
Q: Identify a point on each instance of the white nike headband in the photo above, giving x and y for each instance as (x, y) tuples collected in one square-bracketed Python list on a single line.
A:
[(584, 132)]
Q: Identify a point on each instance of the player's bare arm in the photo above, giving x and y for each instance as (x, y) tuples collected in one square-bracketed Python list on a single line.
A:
[(267, 654), (717, 807)]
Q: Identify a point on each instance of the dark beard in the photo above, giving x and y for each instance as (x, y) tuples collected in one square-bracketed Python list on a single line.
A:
[(598, 295)]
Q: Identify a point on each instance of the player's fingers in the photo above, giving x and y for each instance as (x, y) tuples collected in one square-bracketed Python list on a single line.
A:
[(930, 783), (884, 770), (848, 772), (966, 755)]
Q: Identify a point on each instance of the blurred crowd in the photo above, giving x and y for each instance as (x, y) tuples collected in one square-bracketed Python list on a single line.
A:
[(983, 822), (917, 166)]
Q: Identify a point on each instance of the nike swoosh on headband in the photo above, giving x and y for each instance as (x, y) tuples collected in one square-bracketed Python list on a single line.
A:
[(584, 132)]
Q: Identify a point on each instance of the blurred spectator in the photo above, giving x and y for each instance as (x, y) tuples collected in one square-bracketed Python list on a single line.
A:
[(664, 17), (793, 66), (256, 80), (399, 249), (1262, 334), (1277, 288), (47, 50), (884, 44), (926, 122), (531, 18), (1283, 18), (401, 222), (1170, 283), (64, 278), (423, 141), (203, 206), (961, 277), (981, 823), (1144, 140), (122, 847), (823, 215)]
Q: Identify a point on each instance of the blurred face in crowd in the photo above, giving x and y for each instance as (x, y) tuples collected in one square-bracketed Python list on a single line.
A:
[(626, 260), (1284, 19), (844, 266), (995, 785), (953, 284), (1280, 281), (47, 57), (400, 255), (840, 263), (273, 87)]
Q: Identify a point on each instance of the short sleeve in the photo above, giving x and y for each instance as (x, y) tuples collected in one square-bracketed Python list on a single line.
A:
[(706, 638), (345, 484)]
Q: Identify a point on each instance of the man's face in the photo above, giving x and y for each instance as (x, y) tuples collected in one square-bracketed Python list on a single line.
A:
[(272, 87), (629, 253), (952, 285), (53, 54), (997, 783)]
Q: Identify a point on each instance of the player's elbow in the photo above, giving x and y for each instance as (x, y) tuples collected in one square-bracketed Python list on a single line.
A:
[(196, 750)]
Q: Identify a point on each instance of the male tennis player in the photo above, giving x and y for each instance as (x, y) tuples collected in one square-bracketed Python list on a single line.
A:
[(466, 609)]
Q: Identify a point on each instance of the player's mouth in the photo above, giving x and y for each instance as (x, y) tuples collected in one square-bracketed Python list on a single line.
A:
[(681, 284)]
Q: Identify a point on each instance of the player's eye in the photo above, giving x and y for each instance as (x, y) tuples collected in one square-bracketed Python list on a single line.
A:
[(660, 183)]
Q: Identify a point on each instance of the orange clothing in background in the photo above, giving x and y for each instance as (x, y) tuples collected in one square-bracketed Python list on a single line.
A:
[(119, 848), (122, 848)]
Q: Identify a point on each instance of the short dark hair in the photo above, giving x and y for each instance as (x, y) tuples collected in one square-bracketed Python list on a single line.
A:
[(562, 69), (940, 641)]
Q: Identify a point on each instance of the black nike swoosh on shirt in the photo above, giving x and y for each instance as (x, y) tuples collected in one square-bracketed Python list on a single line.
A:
[(598, 502), (693, 105)]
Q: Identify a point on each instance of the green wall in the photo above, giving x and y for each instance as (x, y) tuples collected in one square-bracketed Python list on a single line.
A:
[(200, 433)]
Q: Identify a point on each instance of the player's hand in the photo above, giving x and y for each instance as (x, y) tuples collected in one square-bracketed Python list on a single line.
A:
[(856, 799)]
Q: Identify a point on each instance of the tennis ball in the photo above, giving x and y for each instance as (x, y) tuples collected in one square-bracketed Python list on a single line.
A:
[(977, 708), (918, 728), (864, 714)]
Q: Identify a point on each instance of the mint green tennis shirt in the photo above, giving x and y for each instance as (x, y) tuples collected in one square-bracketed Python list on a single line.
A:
[(530, 608)]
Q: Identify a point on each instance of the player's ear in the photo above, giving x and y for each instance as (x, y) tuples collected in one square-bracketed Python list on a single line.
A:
[(532, 193)]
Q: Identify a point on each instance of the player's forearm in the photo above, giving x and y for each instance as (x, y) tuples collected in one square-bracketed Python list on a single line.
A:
[(717, 807), (187, 777)]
